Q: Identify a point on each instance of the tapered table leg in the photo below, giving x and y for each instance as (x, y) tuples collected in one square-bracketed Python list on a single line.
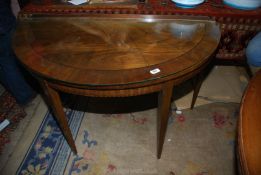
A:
[(196, 85), (164, 101), (59, 114)]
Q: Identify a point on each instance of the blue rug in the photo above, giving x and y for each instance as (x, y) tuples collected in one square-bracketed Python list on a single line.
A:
[(49, 151)]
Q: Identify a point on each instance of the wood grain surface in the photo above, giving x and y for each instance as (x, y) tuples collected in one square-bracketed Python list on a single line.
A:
[(249, 137), (113, 51)]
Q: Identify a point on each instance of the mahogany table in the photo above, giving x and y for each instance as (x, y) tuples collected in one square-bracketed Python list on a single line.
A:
[(114, 56)]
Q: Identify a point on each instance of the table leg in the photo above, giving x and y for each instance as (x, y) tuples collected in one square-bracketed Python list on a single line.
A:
[(164, 102), (57, 108), (197, 84)]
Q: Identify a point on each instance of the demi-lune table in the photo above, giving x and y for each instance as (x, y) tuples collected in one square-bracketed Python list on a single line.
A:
[(114, 56)]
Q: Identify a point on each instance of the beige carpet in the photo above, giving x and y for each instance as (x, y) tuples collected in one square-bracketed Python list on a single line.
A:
[(223, 84), (198, 142)]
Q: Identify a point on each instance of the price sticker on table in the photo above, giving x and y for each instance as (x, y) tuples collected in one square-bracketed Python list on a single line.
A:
[(155, 71)]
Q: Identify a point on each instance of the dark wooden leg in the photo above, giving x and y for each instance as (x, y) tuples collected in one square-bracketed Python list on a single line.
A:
[(196, 85), (57, 108), (164, 101)]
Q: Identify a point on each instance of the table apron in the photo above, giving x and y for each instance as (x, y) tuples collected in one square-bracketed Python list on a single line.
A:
[(124, 92)]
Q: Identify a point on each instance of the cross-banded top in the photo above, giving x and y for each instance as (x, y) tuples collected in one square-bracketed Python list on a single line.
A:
[(113, 51)]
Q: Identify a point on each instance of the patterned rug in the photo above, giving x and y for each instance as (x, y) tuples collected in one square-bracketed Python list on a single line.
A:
[(10, 110), (198, 142)]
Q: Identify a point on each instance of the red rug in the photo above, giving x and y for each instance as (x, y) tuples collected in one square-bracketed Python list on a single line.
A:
[(10, 110)]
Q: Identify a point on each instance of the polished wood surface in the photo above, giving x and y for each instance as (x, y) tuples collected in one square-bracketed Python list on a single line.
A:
[(114, 56), (249, 137), (237, 26), (86, 51)]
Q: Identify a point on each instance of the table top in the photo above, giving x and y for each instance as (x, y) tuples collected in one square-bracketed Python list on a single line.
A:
[(107, 51)]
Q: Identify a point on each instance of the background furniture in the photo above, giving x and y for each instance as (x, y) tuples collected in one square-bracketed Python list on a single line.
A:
[(249, 129)]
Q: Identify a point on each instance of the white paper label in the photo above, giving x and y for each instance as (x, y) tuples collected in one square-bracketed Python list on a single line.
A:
[(155, 71)]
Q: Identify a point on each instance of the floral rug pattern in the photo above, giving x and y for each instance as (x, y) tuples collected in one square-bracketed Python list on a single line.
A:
[(49, 150), (198, 142), (10, 110)]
